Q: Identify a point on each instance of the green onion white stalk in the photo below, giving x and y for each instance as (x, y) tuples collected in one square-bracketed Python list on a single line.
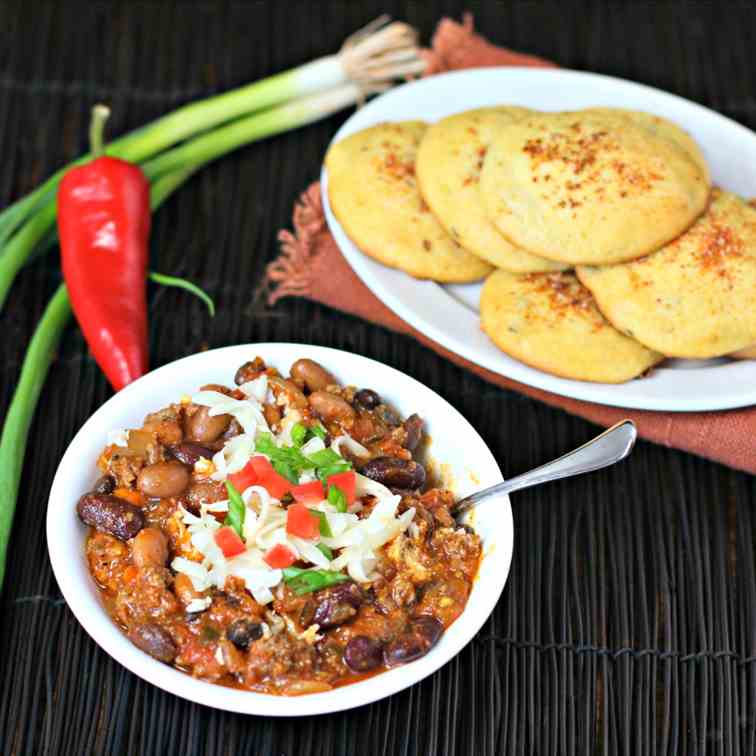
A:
[(369, 61)]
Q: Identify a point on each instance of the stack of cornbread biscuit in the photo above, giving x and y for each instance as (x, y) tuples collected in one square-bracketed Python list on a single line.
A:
[(603, 246)]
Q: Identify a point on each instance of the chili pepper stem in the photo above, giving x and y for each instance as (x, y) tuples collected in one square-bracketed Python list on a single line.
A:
[(100, 114)]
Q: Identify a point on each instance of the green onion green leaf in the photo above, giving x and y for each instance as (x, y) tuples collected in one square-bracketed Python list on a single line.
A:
[(325, 528), (319, 431), (236, 510), (325, 551), (307, 581), (337, 499), (299, 434)]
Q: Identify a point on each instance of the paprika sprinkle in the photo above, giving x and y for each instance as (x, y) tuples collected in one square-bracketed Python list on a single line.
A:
[(104, 227)]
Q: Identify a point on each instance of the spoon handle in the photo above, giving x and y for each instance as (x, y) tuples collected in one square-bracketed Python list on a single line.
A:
[(604, 450)]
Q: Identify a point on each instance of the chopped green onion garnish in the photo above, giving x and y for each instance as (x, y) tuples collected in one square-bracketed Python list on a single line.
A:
[(298, 434), (325, 472), (307, 581), (324, 457), (325, 551), (325, 528), (236, 510), (319, 431), (337, 498)]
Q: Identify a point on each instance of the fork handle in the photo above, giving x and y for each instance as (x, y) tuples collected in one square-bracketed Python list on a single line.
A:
[(611, 446)]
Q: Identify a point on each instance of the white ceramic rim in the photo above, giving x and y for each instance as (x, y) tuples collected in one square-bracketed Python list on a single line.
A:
[(448, 314), (63, 529)]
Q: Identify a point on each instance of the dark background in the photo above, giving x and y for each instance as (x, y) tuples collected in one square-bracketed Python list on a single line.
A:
[(628, 624)]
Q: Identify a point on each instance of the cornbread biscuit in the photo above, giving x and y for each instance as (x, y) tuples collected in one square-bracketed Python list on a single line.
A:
[(695, 297), (373, 192), (590, 187), (550, 321), (749, 353), (448, 170)]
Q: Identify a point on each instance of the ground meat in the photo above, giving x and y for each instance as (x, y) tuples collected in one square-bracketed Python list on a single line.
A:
[(278, 657)]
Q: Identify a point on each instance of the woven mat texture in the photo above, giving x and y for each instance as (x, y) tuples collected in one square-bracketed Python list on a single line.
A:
[(628, 625)]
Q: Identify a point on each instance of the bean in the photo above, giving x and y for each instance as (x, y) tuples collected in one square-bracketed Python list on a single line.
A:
[(331, 407), (305, 687), (204, 427), (294, 396), (422, 634), (368, 398), (155, 641), (249, 371), (363, 654), (184, 589), (242, 632), (163, 479), (168, 432), (104, 485), (272, 415), (337, 605), (313, 375), (395, 473), (413, 425), (189, 453), (112, 515), (150, 548)]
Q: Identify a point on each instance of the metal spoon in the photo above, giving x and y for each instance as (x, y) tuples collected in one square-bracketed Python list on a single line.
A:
[(604, 450)]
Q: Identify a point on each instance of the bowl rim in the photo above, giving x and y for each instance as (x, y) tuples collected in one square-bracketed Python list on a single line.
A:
[(103, 630)]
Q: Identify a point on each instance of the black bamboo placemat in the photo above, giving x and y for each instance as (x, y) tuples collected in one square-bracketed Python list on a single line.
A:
[(628, 625)]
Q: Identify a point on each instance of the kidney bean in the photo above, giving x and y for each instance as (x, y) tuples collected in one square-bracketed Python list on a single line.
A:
[(188, 453), (368, 398), (413, 425), (363, 654), (395, 473), (109, 514), (104, 485), (242, 632), (337, 605), (163, 479), (330, 407), (149, 548), (155, 641), (204, 427), (312, 374), (422, 634)]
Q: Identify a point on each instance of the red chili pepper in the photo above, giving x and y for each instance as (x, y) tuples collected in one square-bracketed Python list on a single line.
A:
[(104, 226)]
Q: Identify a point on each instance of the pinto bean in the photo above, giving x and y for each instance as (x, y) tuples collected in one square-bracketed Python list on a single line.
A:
[(368, 398), (167, 431), (413, 425), (150, 548), (155, 641), (272, 414), (422, 634), (242, 632), (330, 407), (395, 473), (111, 515), (205, 428), (189, 453), (249, 371), (363, 654), (163, 479), (292, 392), (104, 485), (337, 605), (312, 374), (184, 589)]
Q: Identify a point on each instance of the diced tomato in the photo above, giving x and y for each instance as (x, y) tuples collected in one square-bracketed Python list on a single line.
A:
[(274, 483), (308, 493), (279, 556), (245, 477), (346, 482), (300, 521), (230, 543)]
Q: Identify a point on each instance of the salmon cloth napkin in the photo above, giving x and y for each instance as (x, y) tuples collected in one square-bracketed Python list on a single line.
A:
[(311, 265)]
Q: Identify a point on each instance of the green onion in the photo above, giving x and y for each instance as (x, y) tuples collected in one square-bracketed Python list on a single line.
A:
[(325, 457), (337, 499), (306, 581), (338, 467), (325, 551), (236, 510), (43, 346), (368, 62), (325, 528), (298, 434), (319, 431)]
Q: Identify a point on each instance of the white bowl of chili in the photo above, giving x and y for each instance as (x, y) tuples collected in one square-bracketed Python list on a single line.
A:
[(461, 456)]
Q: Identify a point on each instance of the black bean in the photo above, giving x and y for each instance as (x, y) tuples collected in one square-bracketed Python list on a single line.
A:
[(367, 398), (155, 641), (419, 638), (337, 605), (104, 485), (413, 425), (363, 654), (189, 453), (109, 514), (395, 472), (242, 632)]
